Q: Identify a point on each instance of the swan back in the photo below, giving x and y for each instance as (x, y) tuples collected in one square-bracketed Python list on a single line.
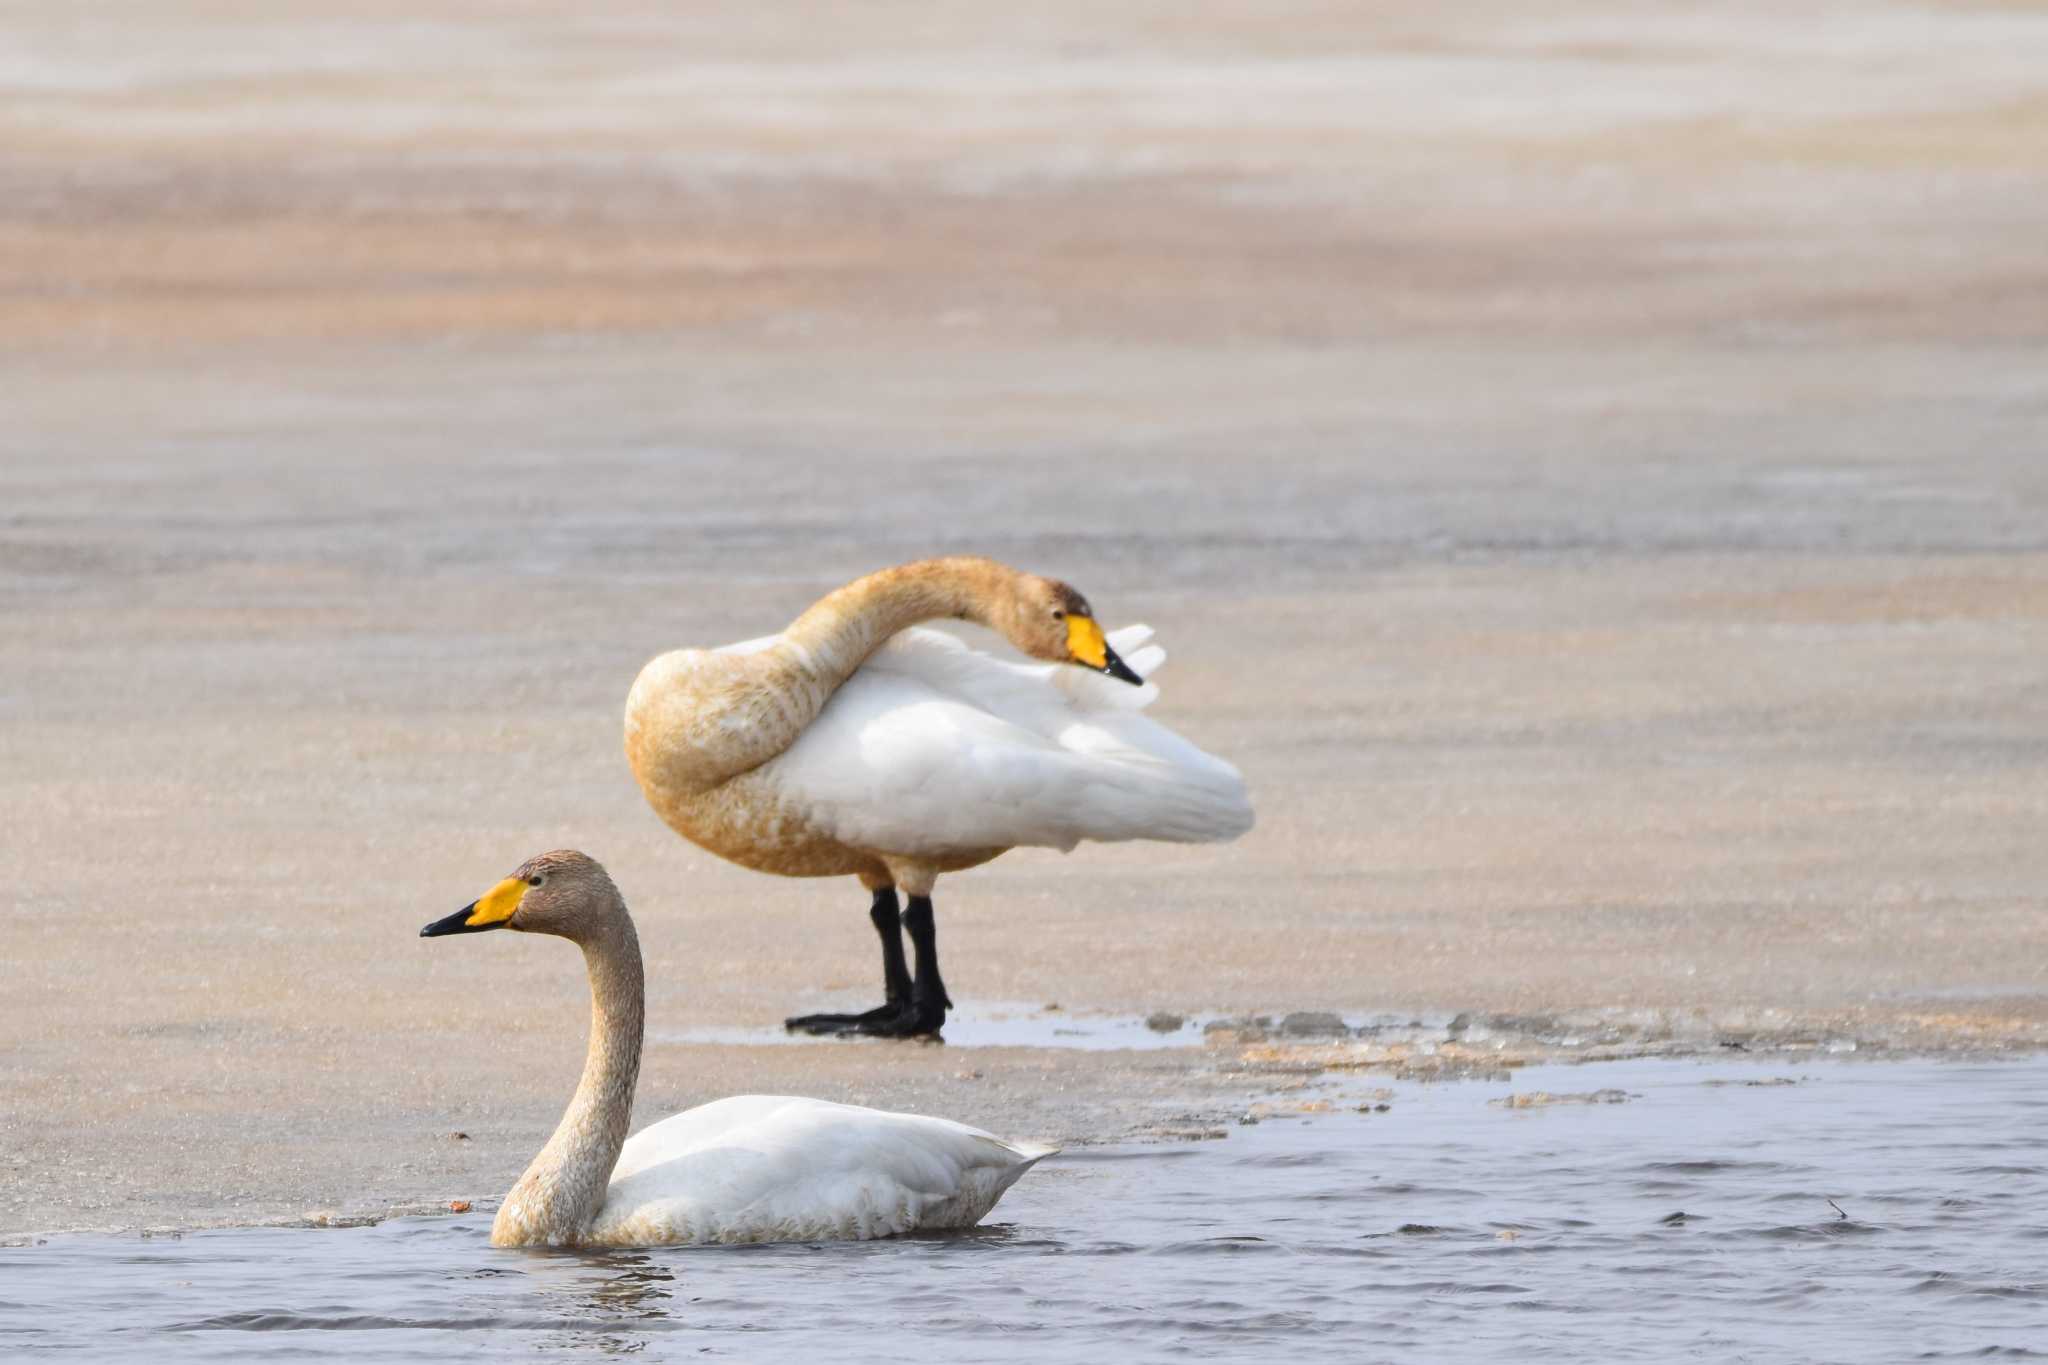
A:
[(763, 1168)]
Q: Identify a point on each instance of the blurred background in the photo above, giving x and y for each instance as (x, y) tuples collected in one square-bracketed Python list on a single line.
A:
[(1586, 462)]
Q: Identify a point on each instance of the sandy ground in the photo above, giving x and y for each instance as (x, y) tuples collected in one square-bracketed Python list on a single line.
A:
[(1588, 469)]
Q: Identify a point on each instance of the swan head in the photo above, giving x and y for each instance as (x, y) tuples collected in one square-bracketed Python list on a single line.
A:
[(564, 893), (1051, 621)]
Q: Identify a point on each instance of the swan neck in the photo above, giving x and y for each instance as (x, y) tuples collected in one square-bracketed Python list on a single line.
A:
[(696, 721), (560, 1194), (841, 630)]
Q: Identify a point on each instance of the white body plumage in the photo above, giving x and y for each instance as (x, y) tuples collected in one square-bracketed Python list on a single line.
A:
[(934, 747), (773, 1168)]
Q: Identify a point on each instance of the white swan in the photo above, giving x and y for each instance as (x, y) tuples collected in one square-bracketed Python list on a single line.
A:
[(753, 1168), (856, 743)]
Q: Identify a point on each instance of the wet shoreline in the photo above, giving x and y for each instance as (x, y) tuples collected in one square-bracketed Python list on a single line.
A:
[(1227, 1074)]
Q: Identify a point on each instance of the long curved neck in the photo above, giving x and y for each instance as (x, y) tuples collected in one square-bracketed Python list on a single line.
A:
[(827, 643), (564, 1187), (696, 719)]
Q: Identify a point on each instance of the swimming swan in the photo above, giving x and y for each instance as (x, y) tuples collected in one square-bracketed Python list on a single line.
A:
[(753, 1168), (855, 742)]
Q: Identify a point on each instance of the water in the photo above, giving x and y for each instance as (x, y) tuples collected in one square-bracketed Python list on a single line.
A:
[(996, 1024), (1690, 1220), (1009, 1023)]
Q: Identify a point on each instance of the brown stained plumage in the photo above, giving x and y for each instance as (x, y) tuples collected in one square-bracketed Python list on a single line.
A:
[(699, 724), (564, 1186)]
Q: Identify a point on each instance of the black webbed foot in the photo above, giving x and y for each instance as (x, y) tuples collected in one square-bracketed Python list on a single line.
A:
[(840, 1023), (916, 1007), (907, 1020)]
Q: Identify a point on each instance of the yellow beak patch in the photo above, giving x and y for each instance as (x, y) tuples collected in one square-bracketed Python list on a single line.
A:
[(1085, 642), (496, 905)]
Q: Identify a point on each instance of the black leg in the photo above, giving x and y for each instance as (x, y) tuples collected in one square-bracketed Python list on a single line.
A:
[(895, 976), (896, 983), (916, 1004), (928, 993)]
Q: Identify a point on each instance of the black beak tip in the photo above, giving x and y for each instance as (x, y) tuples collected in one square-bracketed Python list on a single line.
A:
[(457, 923), (1117, 668)]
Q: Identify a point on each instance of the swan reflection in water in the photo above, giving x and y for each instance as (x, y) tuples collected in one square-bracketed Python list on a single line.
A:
[(605, 1302), (614, 1302)]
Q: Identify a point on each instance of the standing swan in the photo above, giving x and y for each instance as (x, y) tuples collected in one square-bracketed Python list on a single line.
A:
[(855, 743), (753, 1168)]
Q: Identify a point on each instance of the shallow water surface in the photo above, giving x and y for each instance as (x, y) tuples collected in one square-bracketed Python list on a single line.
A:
[(1008, 1023), (1827, 1211), (994, 1024)]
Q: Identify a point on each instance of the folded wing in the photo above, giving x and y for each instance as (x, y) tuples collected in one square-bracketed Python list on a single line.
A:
[(933, 745), (757, 1168)]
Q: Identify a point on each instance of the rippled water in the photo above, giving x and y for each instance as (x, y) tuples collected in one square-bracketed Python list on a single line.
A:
[(1692, 1219)]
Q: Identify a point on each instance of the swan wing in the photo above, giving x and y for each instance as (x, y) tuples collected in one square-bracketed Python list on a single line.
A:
[(935, 747), (760, 1168)]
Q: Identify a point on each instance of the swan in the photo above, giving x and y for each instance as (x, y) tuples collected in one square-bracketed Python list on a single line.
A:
[(857, 742), (752, 1168)]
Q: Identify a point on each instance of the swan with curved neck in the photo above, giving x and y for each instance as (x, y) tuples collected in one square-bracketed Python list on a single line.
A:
[(856, 743), (752, 1168)]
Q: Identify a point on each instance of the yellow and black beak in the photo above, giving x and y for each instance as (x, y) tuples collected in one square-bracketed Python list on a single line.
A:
[(1090, 648), (493, 910)]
